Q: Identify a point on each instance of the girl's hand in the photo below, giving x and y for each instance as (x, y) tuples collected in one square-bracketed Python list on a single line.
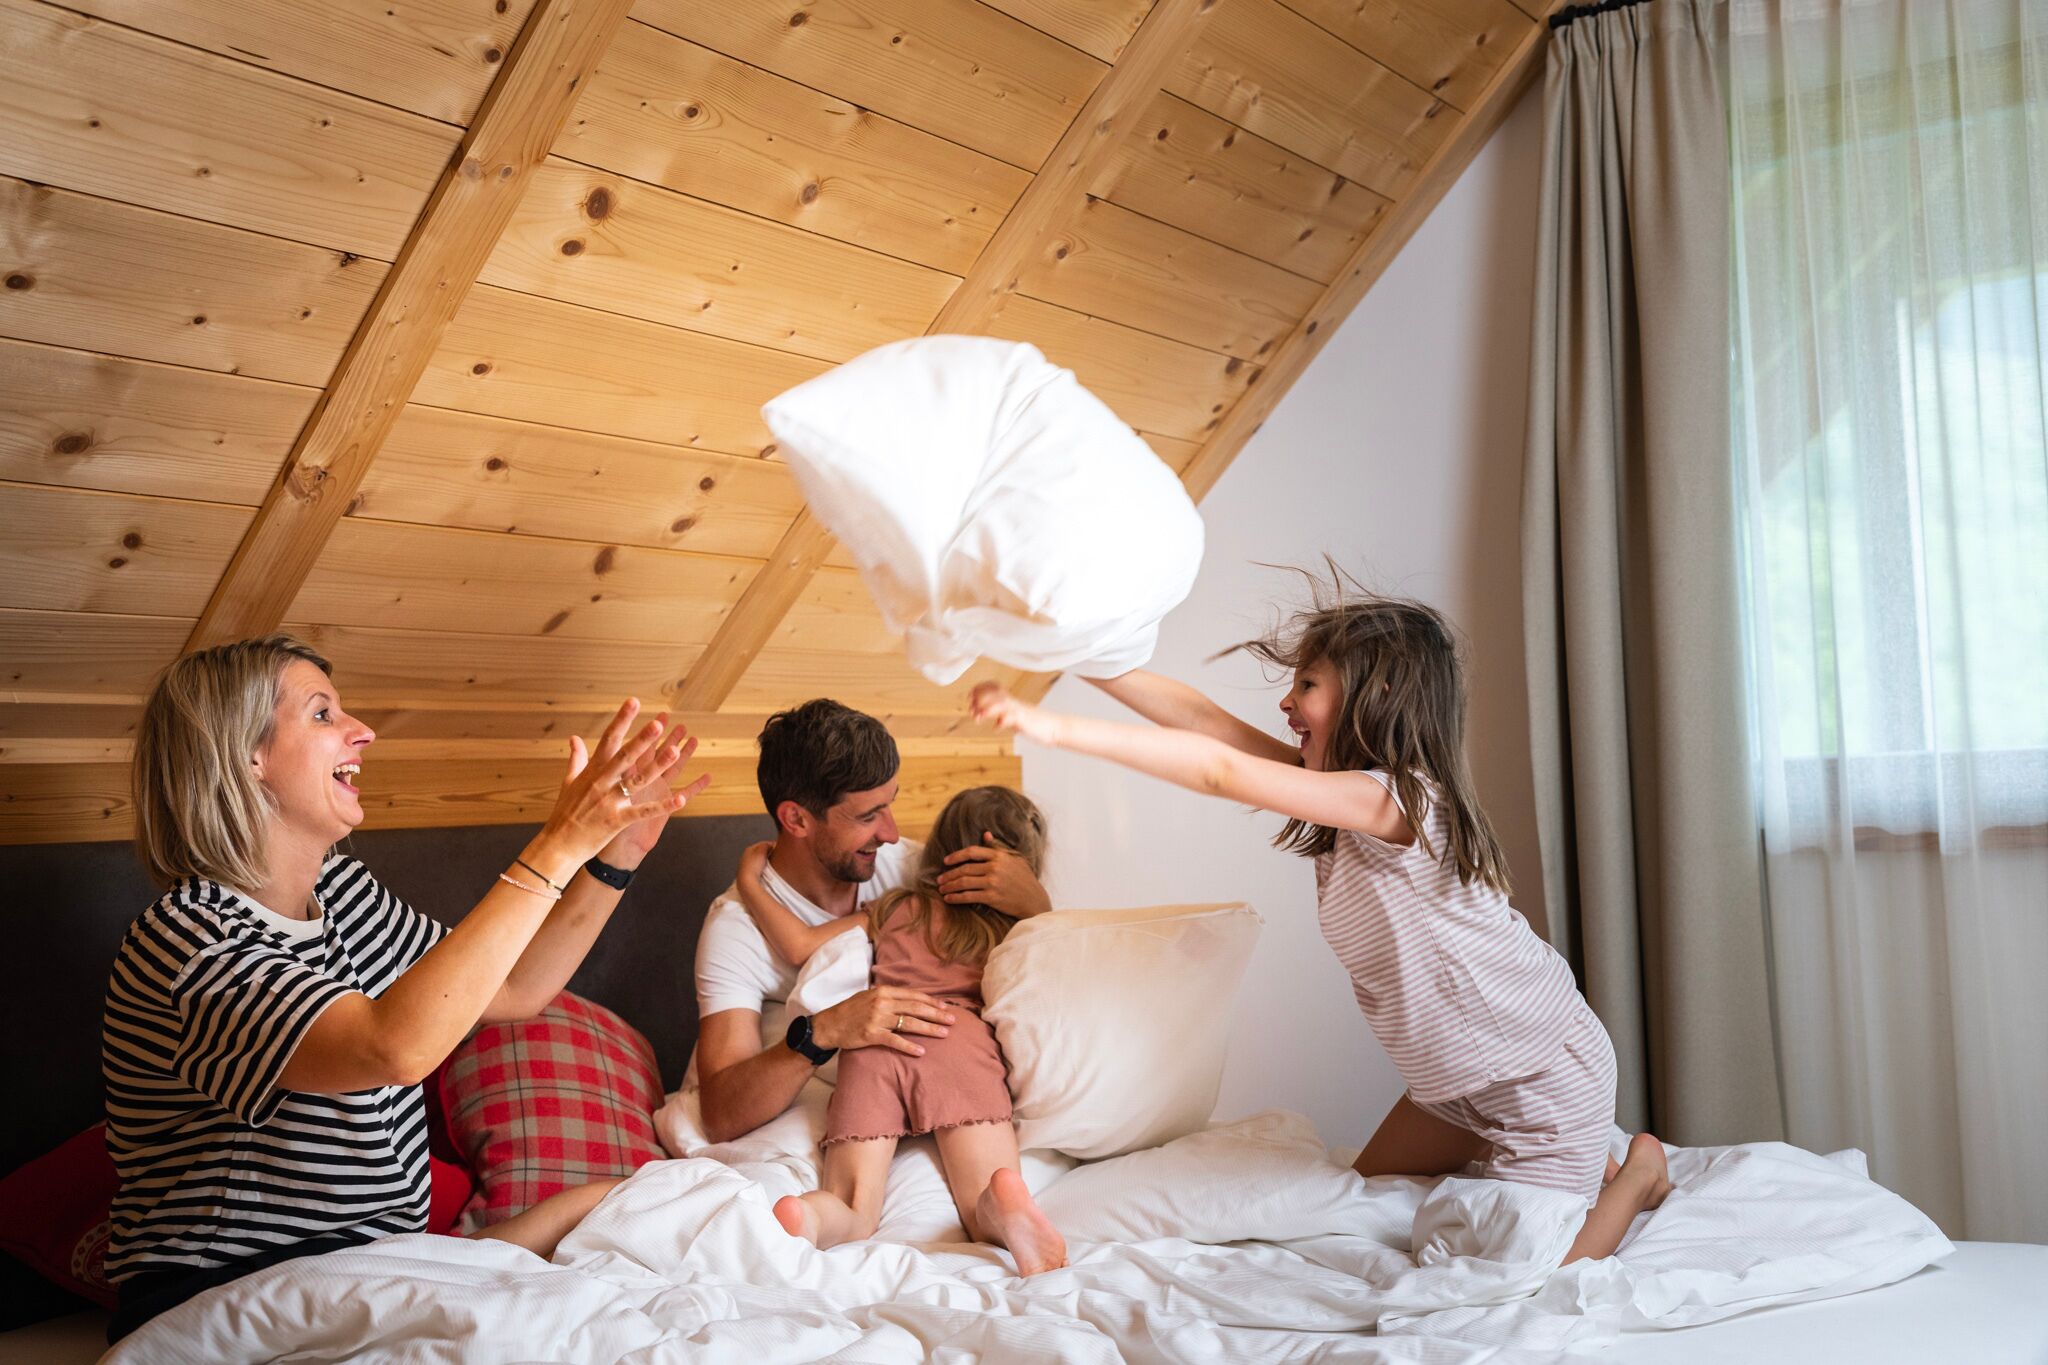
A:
[(754, 860), (623, 786), (991, 704)]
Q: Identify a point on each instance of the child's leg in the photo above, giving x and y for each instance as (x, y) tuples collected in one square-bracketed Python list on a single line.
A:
[(1412, 1141), (543, 1226), (980, 1161), (848, 1207), (1641, 1183)]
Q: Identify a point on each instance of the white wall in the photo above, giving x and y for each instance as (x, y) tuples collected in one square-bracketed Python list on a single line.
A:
[(1400, 453)]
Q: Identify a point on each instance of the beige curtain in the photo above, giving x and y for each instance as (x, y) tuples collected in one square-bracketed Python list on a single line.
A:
[(1645, 807)]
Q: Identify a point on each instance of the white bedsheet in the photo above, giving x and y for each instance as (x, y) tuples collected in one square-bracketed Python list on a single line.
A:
[(1242, 1244)]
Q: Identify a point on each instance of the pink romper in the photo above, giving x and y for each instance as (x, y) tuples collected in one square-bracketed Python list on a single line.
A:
[(961, 1079), (1481, 1017)]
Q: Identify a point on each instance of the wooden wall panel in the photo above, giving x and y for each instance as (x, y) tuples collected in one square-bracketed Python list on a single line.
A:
[(834, 613), (1098, 27), (66, 550), (94, 107), (877, 683), (1185, 166), (1267, 69), (1123, 267), (99, 276), (79, 420), (1154, 384), (515, 355), (46, 654), (402, 668), (604, 241), (458, 469), (1450, 48), (672, 113), (952, 67), (434, 57), (51, 803), (432, 578)]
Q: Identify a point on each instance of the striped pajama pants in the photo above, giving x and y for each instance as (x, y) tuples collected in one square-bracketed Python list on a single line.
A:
[(1549, 1129)]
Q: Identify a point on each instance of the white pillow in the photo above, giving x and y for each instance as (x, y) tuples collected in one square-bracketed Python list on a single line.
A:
[(994, 506), (1115, 1022)]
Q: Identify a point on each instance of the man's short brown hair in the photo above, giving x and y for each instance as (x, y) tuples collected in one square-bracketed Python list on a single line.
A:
[(816, 753)]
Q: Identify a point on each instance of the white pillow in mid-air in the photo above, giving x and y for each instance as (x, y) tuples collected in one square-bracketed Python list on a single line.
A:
[(994, 506)]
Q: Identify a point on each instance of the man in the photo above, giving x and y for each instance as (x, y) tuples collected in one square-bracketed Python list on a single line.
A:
[(828, 777)]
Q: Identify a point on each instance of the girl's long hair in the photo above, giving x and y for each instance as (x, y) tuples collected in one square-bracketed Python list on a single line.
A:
[(971, 931), (1403, 711)]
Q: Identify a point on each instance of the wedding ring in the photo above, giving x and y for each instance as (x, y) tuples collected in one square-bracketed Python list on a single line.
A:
[(899, 1023), (625, 790)]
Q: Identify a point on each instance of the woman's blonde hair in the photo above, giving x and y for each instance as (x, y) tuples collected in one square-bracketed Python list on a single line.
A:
[(1403, 711), (199, 809), (971, 931)]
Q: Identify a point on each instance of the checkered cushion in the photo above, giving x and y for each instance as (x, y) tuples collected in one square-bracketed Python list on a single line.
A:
[(548, 1103)]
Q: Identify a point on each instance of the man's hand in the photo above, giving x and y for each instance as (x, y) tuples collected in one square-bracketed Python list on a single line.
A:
[(988, 874), (882, 1016)]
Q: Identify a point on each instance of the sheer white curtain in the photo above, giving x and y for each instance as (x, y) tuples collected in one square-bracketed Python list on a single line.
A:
[(1891, 362)]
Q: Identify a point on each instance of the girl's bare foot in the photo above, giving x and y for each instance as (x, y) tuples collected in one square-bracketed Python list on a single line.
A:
[(796, 1218), (1008, 1215), (1641, 1182)]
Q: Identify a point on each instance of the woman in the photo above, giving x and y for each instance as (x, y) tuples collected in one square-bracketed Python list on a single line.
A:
[(269, 1021)]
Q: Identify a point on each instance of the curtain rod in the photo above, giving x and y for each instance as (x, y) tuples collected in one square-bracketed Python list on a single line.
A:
[(1571, 13)]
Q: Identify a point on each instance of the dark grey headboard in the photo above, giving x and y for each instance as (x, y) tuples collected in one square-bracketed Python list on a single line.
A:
[(66, 906)]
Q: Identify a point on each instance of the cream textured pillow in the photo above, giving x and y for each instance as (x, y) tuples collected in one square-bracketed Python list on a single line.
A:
[(1115, 1022), (994, 506)]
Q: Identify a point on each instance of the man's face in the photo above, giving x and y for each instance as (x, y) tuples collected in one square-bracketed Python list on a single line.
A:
[(853, 831)]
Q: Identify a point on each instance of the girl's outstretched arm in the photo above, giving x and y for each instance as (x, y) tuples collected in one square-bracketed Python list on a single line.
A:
[(1201, 763), (1163, 701), (793, 940)]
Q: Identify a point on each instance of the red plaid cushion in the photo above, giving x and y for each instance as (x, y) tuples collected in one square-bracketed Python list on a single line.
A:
[(545, 1104)]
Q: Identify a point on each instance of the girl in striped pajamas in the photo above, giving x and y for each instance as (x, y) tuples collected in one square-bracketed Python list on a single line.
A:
[(1504, 1061)]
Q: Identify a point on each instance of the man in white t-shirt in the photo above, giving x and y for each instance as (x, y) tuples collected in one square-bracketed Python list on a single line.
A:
[(828, 776)]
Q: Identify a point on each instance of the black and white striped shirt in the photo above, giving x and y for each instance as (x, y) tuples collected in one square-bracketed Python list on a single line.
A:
[(209, 996)]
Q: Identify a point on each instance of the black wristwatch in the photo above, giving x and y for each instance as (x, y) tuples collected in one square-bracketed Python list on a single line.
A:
[(799, 1040), (616, 878)]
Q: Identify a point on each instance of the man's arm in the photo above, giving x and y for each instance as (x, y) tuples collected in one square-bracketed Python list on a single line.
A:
[(742, 1085)]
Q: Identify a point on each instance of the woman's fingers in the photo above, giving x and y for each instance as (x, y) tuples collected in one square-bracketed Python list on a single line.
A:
[(579, 757), (615, 731), (668, 803)]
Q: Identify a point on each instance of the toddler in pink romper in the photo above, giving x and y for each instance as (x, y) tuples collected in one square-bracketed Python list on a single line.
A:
[(950, 1082)]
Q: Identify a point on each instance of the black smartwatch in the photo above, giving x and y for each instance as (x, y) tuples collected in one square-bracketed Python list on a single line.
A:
[(616, 878), (799, 1040)]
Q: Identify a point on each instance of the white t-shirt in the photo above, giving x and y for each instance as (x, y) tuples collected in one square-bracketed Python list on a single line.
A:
[(737, 970)]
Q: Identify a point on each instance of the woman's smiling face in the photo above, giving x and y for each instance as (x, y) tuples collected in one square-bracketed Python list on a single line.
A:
[(1311, 707), (313, 756)]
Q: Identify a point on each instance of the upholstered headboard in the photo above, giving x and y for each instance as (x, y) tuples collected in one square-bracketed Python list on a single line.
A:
[(65, 907)]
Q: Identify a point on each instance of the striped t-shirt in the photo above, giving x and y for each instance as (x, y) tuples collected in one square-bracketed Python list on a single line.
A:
[(209, 996), (1456, 985)]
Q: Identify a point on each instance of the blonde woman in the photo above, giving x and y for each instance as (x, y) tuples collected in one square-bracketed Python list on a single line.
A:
[(269, 1020)]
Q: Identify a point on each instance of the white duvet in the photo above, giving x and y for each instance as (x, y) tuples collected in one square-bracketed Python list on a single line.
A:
[(1245, 1243)]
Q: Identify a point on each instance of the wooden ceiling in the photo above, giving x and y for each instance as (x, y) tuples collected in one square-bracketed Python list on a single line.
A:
[(437, 331)]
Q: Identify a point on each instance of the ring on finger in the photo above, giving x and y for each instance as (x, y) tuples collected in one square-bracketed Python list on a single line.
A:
[(899, 1024), (625, 790)]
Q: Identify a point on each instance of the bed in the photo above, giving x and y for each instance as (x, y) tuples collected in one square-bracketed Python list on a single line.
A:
[(1247, 1242)]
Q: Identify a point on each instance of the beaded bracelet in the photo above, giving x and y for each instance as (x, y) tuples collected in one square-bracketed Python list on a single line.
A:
[(550, 894)]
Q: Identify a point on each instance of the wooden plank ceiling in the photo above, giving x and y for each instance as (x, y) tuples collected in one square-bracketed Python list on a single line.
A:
[(234, 393)]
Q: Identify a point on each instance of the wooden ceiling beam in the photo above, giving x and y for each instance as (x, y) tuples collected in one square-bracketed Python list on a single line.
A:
[(519, 120), (1120, 98), (1344, 292)]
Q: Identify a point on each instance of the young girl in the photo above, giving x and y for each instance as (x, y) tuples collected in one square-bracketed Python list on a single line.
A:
[(1504, 1061), (958, 1088)]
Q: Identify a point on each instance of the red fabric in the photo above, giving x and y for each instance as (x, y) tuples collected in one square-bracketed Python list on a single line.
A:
[(451, 1192), (549, 1103), (54, 1214)]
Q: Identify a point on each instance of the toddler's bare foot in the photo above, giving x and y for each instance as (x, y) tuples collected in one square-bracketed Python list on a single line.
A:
[(1008, 1215), (1646, 1164), (796, 1218)]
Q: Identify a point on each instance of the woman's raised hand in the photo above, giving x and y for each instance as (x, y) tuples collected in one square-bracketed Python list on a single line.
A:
[(618, 798)]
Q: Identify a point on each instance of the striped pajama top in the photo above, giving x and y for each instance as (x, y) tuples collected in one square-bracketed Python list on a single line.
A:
[(1457, 987), (209, 996)]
